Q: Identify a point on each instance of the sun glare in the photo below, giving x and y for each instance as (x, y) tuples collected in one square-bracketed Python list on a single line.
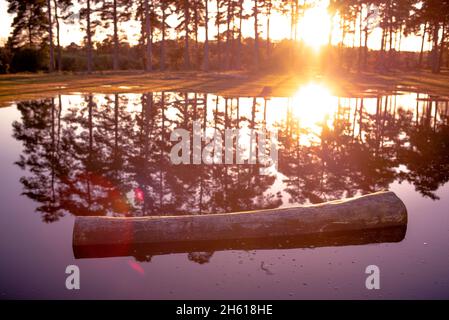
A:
[(313, 104), (315, 25)]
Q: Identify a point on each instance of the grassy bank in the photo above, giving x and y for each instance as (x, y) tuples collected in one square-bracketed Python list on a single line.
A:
[(17, 87)]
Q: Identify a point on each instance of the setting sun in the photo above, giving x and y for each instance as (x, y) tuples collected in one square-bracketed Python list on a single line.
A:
[(315, 25)]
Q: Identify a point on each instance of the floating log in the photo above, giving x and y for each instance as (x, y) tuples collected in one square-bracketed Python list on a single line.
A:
[(374, 211)]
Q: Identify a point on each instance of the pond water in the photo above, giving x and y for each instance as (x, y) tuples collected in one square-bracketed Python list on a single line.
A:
[(96, 154)]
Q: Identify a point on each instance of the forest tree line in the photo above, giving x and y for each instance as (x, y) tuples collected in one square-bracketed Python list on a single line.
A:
[(208, 35)]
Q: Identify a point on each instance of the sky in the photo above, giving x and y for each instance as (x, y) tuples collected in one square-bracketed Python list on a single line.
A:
[(5, 21), (313, 28)]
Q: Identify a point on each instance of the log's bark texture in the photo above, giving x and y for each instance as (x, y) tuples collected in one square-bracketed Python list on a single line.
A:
[(377, 210)]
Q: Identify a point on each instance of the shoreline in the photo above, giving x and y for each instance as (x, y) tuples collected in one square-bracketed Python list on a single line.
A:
[(19, 87)]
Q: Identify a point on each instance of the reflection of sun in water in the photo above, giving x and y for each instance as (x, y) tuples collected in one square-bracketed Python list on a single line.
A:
[(314, 27), (312, 105)]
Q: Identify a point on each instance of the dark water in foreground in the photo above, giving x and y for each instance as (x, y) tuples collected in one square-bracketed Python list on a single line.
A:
[(109, 155)]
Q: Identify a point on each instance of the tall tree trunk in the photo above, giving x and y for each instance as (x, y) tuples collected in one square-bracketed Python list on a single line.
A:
[(51, 65), (206, 40), (162, 59), (296, 19), (343, 32), (390, 31), (365, 49), (58, 36), (421, 52), (354, 36), (228, 42), (390, 34), (292, 19), (400, 39), (30, 36), (217, 22), (116, 41), (239, 46), (196, 27), (443, 37), (293, 13), (148, 37), (268, 44), (331, 30), (89, 40), (435, 55), (361, 49), (256, 35), (186, 29)]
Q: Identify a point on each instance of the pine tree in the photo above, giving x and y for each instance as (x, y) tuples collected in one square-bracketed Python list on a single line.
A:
[(30, 24)]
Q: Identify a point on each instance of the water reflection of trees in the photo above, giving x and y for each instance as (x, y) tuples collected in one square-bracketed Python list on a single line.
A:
[(109, 155), (426, 147), (355, 153)]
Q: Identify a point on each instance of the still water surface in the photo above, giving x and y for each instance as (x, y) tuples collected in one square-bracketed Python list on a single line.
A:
[(96, 154)]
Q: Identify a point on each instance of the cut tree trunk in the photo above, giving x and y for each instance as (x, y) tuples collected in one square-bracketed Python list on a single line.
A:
[(373, 211)]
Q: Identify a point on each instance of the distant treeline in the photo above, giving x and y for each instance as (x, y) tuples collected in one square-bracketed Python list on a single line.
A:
[(35, 42)]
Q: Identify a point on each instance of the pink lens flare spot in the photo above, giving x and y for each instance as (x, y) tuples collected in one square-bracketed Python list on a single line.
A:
[(138, 195), (136, 267)]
